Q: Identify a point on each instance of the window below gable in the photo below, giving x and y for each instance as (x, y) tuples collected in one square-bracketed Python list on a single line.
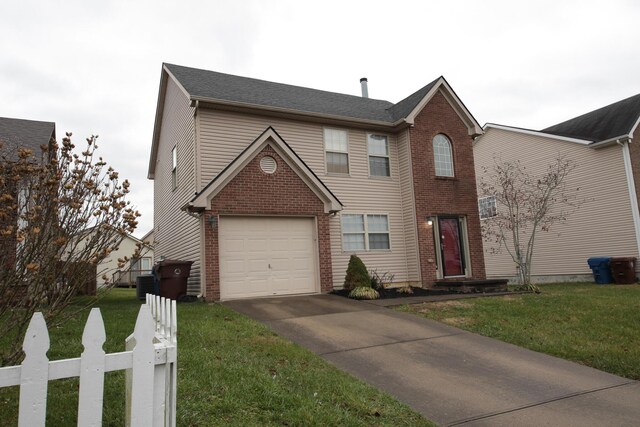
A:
[(443, 156), (365, 232)]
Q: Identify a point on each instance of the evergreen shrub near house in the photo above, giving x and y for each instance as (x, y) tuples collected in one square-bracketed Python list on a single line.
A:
[(357, 274), (358, 281)]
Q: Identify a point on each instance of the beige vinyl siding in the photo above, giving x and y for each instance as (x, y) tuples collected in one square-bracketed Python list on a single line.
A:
[(602, 226), (408, 206), (176, 233), (223, 136)]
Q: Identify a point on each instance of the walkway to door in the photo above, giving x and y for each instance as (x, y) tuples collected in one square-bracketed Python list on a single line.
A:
[(451, 376)]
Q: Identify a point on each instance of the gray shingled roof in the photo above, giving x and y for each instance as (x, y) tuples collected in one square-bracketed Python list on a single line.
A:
[(602, 124), (19, 133), (226, 87)]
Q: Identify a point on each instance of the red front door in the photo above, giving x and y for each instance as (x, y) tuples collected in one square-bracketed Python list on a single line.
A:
[(451, 247)]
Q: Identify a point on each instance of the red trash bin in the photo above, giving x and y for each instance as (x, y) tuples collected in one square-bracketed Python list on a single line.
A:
[(173, 275)]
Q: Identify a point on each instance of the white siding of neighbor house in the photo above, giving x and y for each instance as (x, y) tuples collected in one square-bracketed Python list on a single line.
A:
[(602, 226), (126, 248), (223, 135), (176, 233)]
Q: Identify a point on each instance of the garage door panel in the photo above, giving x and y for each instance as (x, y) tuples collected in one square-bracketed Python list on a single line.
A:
[(261, 256), (233, 267), (280, 264), (235, 245), (298, 244), (280, 244), (257, 245), (301, 264)]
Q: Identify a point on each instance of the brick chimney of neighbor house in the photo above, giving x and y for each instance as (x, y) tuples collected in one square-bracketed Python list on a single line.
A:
[(365, 89)]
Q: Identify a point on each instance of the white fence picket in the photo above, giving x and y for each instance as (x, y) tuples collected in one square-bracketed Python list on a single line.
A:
[(92, 368), (143, 369), (150, 361), (34, 374)]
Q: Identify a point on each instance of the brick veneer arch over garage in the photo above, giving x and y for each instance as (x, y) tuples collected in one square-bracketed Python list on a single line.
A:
[(254, 192)]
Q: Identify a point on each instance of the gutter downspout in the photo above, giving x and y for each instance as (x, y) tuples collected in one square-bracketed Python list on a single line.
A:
[(633, 198)]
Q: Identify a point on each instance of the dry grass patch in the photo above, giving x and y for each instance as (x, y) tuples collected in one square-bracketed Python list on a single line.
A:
[(441, 305), (457, 321)]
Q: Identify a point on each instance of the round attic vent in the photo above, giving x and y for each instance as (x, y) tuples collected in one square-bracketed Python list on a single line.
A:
[(268, 164)]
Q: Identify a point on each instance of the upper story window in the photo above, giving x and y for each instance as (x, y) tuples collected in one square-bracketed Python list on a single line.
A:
[(378, 155), (442, 155), (362, 232), (174, 167), (336, 151), (487, 207)]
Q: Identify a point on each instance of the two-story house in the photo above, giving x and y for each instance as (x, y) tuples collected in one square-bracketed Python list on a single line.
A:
[(269, 188), (603, 145)]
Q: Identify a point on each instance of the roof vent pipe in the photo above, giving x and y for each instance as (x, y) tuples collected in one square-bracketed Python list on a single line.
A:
[(365, 89)]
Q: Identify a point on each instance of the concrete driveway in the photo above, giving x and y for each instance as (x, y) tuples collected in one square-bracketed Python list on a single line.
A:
[(451, 376)]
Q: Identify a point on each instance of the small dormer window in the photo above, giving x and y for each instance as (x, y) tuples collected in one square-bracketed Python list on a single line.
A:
[(442, 156)]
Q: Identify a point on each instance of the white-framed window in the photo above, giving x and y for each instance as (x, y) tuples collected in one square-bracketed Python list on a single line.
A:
[(487, 207), (174, 167), (442, 155), (142, 264), (365, 232), (336, 148), (378, 146)]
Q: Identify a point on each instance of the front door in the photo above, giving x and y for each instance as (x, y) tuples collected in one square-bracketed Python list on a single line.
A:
[(451, 248)]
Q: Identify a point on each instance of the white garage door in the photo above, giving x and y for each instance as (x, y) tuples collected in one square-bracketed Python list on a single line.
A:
[(261, 256)]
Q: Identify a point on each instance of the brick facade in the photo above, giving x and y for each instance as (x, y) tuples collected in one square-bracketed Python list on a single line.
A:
[(439, 196), (254, 192)]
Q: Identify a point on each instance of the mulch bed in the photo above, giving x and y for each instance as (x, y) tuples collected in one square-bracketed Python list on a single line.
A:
[(392, 293)]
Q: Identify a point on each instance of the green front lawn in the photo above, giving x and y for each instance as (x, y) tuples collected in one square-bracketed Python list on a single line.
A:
[(595, 325), (232, 371)]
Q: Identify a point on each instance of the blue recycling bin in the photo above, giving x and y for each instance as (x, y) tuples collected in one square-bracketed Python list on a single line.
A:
[(601, 268)]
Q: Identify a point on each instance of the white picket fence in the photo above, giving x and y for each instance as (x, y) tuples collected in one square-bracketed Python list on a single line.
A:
[(149, 360)]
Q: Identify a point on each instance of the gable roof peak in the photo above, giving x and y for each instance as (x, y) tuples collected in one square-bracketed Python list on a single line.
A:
[(618, 119), (268, 137)]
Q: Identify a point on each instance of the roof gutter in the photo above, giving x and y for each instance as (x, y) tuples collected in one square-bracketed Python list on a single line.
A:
[(536, 133), (191, 210), (611, 141)]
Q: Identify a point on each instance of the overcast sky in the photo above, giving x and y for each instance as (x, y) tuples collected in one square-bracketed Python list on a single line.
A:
[(93, 67)]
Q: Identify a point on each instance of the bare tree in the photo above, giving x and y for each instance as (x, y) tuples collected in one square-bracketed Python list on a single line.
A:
[(526, 204), (62, 212)]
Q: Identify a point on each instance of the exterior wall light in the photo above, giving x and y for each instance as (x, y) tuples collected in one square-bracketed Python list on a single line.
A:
[(429, 221)]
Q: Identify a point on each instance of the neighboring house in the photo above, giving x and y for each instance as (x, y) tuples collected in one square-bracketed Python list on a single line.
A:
[(604, 146), (16, 134), (134, 267), (149, 238), (269, 188)]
